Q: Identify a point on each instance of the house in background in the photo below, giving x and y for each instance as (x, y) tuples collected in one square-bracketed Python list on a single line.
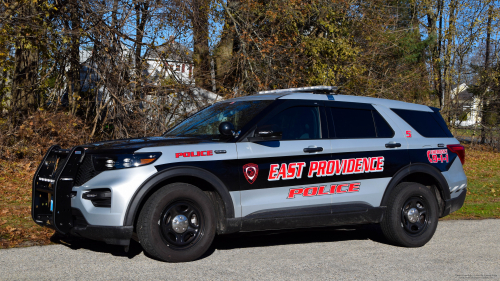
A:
[(171, 59), (467, 106)]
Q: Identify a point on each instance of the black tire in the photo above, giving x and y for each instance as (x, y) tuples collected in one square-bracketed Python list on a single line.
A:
[(157, 231), (405, 227)]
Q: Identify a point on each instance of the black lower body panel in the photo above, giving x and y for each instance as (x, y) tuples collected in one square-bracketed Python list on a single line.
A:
[(115, 235), (372, 215), (454, 204)]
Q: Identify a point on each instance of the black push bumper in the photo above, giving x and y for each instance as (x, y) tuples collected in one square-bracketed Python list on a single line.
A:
[(52, 193), (52, 188), (452, 205), (115, 235)]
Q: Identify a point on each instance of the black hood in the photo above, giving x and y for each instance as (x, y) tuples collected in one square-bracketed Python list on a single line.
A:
[(132, 145)]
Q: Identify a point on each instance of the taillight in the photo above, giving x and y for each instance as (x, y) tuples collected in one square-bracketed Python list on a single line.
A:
[(459, 150)]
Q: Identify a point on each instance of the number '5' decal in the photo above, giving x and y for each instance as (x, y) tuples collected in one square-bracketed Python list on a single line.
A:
[(408, 134)]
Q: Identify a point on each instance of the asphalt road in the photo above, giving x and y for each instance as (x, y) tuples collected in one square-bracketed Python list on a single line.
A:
[(460, 250)]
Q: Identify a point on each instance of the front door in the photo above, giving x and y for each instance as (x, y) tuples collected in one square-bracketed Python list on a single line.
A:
[(274, 174)]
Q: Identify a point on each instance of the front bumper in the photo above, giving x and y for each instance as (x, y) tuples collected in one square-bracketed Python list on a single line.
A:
[(59, 204), (115, 235)]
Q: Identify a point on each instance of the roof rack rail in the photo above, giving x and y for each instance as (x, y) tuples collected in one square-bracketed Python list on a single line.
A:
[(314, 89)]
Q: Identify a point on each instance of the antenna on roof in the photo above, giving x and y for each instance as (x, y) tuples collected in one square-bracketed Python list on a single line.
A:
[(327, 90)]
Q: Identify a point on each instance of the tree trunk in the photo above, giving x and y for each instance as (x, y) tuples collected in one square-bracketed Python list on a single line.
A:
[(141, 9), (432, 17), (201, 55), (74, 85), (441, 85), (24, 95), (486, 66), (449, 42), (224, 54)]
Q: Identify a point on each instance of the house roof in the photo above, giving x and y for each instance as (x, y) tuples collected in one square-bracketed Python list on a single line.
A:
[(172, 51), (465, 95), (463, 92)]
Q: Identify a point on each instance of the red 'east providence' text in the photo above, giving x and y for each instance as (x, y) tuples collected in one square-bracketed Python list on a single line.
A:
[(326, 168)]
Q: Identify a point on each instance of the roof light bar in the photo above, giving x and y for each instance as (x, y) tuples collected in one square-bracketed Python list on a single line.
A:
[(313, 89)]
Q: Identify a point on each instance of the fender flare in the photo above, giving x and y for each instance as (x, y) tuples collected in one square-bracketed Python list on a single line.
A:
[(141, 193), (417, 168)]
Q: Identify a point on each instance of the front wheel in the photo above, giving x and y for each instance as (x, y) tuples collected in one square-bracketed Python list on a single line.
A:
[(177, 223), (412, 216)]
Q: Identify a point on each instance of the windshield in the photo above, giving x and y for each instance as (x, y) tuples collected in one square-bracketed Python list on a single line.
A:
[(205, 123)]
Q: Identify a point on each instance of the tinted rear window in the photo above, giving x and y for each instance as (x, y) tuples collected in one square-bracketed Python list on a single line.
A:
[(353, 123), (425, 123), (383, 129), (350, 123)]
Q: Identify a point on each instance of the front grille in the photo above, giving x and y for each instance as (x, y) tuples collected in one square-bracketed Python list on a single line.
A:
[(86, 171)]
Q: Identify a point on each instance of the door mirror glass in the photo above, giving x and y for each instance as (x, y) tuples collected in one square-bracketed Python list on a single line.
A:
[(226, 129)]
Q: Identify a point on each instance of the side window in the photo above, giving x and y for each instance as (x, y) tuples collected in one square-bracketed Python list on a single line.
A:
[(296, 123), (352, 123), (384, 130), (424, 123)]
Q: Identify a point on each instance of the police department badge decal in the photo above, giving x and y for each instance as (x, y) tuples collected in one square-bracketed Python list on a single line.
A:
[(251, 171)]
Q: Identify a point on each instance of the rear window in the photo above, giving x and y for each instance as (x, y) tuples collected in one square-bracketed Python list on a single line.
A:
[(350, 123), (428, 124)]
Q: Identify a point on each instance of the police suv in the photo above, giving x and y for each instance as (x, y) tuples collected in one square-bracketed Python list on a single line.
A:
[(283, 159)]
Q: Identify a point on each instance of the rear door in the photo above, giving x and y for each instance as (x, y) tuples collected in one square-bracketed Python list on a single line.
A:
[(428, 138), (368, 148), (274, 180)]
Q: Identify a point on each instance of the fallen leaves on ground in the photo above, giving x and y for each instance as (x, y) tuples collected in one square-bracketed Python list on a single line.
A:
[(17, 229)]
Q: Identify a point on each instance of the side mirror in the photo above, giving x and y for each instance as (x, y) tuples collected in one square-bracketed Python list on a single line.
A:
[(226, 129), (265, 133)]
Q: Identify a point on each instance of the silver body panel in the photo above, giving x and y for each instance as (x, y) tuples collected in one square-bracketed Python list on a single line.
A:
[(123, 185), (370, 192), (456, 178)]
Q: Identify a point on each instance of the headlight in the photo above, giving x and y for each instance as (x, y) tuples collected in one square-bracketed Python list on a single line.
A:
[(122, 161)]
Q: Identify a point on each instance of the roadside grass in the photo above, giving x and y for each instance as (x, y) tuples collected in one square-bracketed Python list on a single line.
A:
[(17, 229)]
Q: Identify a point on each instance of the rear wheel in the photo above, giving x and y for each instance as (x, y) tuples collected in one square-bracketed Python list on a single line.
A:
[(177, 223), (411, 217)]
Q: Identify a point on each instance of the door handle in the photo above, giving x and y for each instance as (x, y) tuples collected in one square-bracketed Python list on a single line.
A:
[(313, 149), (392, 144)]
